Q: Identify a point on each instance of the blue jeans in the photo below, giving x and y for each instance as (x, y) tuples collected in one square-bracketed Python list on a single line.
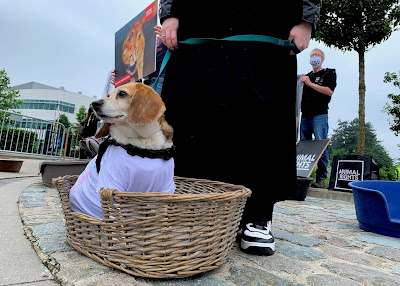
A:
[(317, 125)]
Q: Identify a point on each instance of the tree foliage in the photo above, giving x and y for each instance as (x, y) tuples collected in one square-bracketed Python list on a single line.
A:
[(393, 109), (358, 25), (345, 139), (8, 96), (81, 114), (63, 119)]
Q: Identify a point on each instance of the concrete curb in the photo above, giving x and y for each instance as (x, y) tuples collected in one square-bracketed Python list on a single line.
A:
[(330, 194)]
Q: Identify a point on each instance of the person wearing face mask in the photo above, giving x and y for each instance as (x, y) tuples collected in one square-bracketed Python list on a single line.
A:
[(319, 85)]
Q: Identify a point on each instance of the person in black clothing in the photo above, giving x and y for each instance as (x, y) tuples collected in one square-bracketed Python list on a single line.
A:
[(232, 103), (319, 85), (89, 143), (89, 126)]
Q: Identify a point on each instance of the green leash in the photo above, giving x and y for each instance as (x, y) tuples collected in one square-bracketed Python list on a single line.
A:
[(241, 38)]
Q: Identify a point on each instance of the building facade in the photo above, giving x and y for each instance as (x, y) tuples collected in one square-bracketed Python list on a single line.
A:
[(47, 102)]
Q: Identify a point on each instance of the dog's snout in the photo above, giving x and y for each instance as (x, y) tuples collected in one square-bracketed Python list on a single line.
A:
[(97, 104)]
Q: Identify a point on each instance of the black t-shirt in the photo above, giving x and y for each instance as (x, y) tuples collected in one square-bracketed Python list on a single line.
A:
[(314, 103)]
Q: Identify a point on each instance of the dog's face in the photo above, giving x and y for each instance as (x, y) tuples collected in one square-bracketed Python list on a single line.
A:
[(133, 111), (136, 103)]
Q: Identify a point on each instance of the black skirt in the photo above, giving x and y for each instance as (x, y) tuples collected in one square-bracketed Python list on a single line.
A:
[(232, 107)]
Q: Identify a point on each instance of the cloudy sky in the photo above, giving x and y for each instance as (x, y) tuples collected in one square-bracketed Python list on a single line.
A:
[(71, 44)]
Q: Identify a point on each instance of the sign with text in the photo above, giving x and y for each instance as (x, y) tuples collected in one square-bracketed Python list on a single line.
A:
[(348, 171), (135, 47), (308, 154), (349, 168)]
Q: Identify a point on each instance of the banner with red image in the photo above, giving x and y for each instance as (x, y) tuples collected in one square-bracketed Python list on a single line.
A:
[(135, 47)]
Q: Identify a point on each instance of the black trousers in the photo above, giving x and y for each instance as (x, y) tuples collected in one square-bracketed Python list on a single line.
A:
[(232, 107)]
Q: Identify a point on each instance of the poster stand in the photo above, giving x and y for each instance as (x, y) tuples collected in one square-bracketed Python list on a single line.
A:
[(350, 168), (308, 154)]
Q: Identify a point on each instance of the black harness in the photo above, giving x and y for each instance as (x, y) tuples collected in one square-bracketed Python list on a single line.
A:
[(165, 154)]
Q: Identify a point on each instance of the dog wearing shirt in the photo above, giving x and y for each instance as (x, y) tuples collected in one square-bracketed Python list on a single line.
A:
[(137, 157)]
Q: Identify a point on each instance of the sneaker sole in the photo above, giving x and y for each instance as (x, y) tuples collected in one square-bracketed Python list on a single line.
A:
[(257, 248)]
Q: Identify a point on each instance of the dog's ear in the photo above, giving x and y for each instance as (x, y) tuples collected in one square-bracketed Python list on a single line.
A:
[(146, 105), (103, 131)]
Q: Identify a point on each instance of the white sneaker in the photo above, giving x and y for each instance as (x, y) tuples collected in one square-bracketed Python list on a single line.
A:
[(258, 239)]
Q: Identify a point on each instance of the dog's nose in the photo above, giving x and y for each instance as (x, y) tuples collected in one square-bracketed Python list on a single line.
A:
[(97, 104)]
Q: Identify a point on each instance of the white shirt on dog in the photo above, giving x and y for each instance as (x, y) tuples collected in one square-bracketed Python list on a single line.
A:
[(122, 172)]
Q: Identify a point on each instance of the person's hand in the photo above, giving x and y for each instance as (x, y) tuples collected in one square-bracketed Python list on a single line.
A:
[(157, 30), (301, 35), (169, 33), (305, 79)]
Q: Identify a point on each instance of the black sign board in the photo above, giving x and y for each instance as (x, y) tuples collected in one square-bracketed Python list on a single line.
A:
[(348, 171), (308, 154), (349, 168)]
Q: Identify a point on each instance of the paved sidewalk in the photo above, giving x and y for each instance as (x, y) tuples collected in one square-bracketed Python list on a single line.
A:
[(19, 263), (318, 242)]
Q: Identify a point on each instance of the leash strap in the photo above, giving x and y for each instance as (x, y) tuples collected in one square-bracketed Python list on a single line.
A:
[(240, 38), (164, 154)]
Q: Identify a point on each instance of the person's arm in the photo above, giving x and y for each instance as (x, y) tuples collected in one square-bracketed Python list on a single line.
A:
[(165, 10), (311, 12), (301, 33), (170, 24), (321, 89)]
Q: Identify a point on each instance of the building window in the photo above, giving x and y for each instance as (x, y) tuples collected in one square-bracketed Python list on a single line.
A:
[(47, 105)]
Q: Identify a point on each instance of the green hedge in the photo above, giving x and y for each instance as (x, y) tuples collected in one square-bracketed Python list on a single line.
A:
[(12, 140)]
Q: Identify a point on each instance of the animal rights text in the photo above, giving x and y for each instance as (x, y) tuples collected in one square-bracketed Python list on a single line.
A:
[(305, 161), (349, 175)]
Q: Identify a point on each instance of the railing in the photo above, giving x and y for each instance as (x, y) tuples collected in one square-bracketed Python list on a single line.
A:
[(71, 146), (29, 136)]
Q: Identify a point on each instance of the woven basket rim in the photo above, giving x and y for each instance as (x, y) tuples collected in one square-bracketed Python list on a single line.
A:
[(237, 192), (164, 197)]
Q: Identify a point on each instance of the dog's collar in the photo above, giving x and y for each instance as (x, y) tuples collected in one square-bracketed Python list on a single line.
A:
[(165, 154)]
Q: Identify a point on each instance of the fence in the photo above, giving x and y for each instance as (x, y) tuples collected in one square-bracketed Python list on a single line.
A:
[(24, 135)]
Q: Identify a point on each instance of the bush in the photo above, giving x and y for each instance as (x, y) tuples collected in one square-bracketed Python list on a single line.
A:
[(388, 174), (9, 141)]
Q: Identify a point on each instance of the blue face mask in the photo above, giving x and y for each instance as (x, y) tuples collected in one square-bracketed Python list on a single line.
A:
[(315, 61)]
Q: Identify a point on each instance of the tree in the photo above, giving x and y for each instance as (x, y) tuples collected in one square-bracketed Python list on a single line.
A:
[(63, 119), (8, 96), (394, 109), (81, 114), (359, 26), (345, 139)]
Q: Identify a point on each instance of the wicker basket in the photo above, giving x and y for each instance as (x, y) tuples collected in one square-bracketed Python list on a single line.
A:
[(159, 235)]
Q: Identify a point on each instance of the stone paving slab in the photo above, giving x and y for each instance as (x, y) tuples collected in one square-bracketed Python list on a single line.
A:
[(318, 242), (19, 263)]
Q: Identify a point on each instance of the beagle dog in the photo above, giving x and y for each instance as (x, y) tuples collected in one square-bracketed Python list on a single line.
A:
[(138, 155)]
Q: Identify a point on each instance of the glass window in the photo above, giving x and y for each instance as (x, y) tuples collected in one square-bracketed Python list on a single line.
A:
[(47, 105)]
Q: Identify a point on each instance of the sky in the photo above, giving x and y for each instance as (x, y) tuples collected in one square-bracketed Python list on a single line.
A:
[(70, 43)]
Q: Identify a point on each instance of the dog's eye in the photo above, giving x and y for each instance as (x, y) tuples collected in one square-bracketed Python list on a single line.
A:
[(122, 94)]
